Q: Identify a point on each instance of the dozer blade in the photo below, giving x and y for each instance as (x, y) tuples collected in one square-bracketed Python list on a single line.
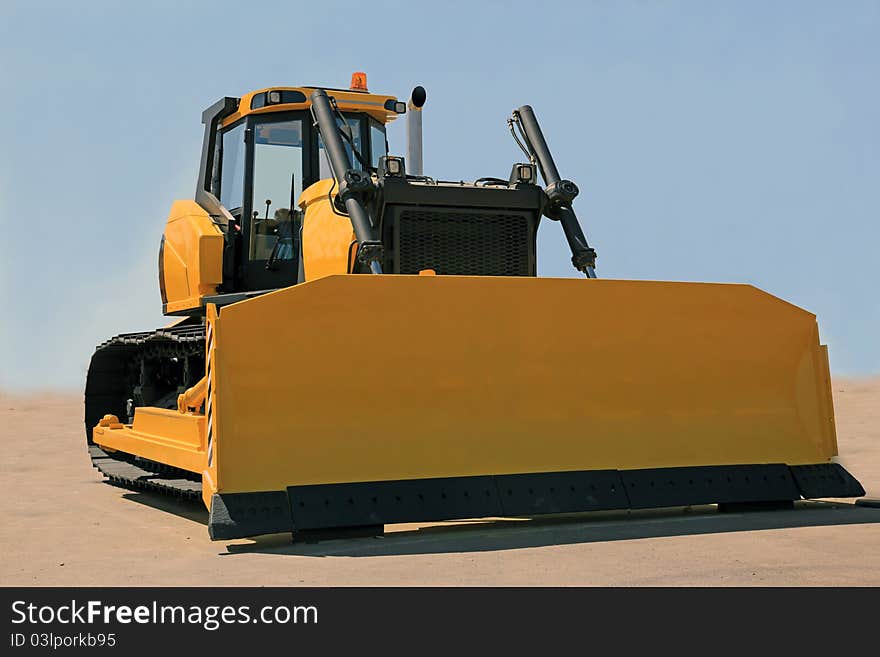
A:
[(363, 400)]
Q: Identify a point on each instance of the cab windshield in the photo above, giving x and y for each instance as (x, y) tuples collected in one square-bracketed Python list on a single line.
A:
[(359, 127)]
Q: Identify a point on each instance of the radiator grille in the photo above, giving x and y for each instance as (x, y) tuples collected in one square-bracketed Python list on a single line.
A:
[(464, 243)]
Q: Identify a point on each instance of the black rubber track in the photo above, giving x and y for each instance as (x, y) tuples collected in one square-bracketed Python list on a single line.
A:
[(108, 387)]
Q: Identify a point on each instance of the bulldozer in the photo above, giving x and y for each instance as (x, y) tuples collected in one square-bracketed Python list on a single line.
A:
[(355, 343)]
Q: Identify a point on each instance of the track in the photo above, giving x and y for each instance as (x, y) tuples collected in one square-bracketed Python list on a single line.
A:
[(143, 369)]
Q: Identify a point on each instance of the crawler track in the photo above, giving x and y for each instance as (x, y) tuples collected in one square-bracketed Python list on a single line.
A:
[(143, 369)]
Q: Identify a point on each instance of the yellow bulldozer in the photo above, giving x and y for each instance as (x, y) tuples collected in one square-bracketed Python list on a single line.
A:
[(357, 344)]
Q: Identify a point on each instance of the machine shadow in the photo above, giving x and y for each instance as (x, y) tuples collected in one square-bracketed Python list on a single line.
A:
[(596, 527), (190, 509)]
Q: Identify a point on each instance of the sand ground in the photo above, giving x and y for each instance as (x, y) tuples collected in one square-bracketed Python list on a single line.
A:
[(63, 526)]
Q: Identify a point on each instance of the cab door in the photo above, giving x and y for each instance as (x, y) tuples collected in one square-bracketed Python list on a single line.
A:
[(277, 167)]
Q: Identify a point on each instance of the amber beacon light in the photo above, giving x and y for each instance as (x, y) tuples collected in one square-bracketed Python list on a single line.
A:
[(358, 81)]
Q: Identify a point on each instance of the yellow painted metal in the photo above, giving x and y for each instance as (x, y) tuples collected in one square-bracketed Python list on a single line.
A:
[(370, 378), (327, 236), (193, 397), (192, 264), (347, 101), (159, 434)]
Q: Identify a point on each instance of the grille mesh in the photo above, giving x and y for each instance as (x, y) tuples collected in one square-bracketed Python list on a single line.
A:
[(459, 242)]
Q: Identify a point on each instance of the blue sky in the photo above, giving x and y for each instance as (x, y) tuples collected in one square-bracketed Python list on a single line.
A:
[(722, 141)]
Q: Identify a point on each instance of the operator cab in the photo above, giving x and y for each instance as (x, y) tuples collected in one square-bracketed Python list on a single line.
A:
[(262, 151)]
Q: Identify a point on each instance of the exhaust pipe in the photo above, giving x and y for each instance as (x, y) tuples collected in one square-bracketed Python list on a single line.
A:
[(414, 131)]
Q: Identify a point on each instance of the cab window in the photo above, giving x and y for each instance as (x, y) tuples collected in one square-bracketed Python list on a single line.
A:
[(355, 124), (378, 144), (232, 169), (278, 182)]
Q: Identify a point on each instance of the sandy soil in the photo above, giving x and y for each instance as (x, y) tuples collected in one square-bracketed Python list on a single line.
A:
[(62, 526)]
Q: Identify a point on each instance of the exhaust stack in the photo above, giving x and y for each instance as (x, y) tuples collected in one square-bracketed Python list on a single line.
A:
[(414, 131)]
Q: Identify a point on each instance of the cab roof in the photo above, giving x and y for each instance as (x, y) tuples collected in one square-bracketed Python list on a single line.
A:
[(378, 106)]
